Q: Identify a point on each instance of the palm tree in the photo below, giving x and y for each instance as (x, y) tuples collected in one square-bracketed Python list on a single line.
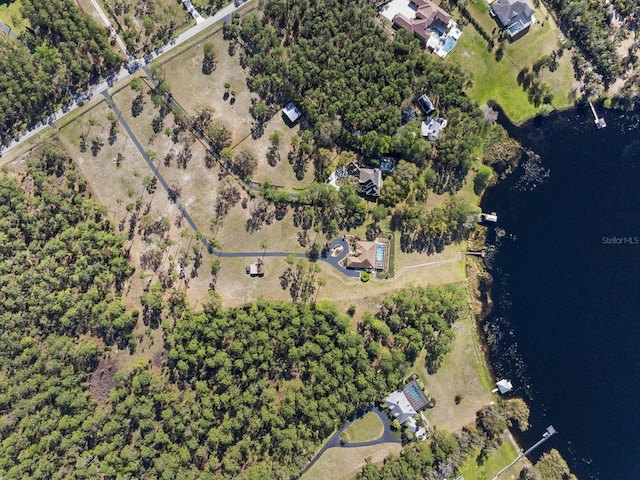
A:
[(321, 283), (263, 247)]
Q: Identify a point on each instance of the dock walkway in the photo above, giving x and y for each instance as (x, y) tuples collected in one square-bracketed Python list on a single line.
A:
[(600, 122)]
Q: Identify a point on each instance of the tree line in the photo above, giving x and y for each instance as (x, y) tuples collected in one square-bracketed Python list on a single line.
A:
[(589, 25), (67, 50)]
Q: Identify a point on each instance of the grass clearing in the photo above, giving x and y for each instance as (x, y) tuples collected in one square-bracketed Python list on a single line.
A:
[(192, 89), (496, 461), (497, 80), (460, 375), (345, 463), (365, 429), (11, 15)]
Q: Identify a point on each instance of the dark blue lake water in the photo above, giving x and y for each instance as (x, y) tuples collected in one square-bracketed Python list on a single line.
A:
[(566, 322)]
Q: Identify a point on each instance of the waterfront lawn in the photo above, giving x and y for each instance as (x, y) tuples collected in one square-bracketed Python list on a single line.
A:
[(462, 376), (364, 429), (497, 80), (497, 460)]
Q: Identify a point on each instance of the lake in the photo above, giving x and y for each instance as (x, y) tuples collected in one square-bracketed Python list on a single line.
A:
[(566, 264)]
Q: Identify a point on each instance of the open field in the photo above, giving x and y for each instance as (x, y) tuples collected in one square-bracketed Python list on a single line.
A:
[(364, 429), (496, 461), (462, 373), (193, 89), (345, 463), (121, 188), (497, 80), (237, 288)]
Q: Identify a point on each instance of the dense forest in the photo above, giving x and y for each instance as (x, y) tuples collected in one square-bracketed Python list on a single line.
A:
[(353, 92), (589, 24), (66, 50)]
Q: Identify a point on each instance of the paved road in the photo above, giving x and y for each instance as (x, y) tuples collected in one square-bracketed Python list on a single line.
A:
[(334, 441), (131, 67), (7, 29)]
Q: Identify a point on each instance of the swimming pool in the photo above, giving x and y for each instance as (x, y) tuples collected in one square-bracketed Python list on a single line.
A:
[(449, 43), (416, 396), (414, 392), (516, 27), (380, 249)]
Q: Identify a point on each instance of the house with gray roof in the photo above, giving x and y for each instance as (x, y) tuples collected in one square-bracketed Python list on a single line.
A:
[(432, 128), (514, 16), (405, 404), (425, 104), (370, 179)]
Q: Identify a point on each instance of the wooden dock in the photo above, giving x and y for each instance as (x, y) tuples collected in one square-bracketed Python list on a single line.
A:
[(600, 123)]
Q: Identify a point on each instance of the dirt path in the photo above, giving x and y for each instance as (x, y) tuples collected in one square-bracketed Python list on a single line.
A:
[(457, 258)]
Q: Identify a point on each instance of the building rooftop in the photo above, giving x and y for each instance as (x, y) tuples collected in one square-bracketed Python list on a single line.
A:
[(400, 407), (292, 112), (371, 181), (425, 104), (504, 386), (514, 15), (365, 256), (428, 17), (255, 269), (432, 128)]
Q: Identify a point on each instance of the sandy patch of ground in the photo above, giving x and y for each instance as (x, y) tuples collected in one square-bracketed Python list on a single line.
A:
[(191, 88)]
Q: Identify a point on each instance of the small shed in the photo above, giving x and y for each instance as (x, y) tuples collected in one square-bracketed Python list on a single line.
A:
[(504, 386), (291, 113), (255, 269), (489, 217)]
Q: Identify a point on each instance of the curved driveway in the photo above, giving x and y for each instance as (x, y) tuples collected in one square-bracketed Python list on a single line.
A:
[(334, 441)]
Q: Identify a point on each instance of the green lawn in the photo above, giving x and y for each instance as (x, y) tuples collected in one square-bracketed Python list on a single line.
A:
[(480, 11), (499, 459), (365, 429), (497, 80), (10, 14)]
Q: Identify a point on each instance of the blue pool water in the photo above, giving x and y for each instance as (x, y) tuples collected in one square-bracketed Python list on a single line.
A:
[(387, 164), (449, 43), (380, 248), (516, 27), (413, 390)]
